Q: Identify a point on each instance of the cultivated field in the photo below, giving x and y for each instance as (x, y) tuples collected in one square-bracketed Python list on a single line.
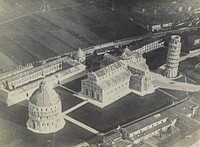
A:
[(34, 30)]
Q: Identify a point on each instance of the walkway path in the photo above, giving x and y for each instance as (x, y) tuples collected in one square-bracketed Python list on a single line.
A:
[(189, 56), (80, 124), (163, 82), (75, 107), (68, 89), (176, 86), (168, 94)]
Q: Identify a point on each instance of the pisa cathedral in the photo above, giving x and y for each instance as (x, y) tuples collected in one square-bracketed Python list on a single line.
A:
[(128, 71)]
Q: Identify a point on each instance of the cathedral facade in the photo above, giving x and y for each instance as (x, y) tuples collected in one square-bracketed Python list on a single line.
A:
[(106, 82)]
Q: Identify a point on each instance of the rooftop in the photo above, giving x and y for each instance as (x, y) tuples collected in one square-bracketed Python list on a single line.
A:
[(138, 44), (114, 79), (148, 121), (42, 67), (123, 143), (109, 69), (184, 108), (151, 130), (111, 57), (114, 135)]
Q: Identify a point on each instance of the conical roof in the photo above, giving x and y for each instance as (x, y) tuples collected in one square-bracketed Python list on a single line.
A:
[(80, 53), (44, 96)]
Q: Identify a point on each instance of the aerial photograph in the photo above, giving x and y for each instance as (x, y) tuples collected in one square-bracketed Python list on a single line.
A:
[(99, 73)]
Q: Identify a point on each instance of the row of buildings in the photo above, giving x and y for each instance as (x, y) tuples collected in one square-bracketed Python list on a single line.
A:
[(141, 46), (146, 45), (178, 17), (156, 129)]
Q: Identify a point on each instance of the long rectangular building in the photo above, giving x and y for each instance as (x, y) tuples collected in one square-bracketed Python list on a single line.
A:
[(20, 86), (38, 72)]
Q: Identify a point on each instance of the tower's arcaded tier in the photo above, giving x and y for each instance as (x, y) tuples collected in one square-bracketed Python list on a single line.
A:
[(173, 57), (45, 111)]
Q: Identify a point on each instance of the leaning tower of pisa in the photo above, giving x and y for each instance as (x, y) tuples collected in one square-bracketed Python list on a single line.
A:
[(173, 56)]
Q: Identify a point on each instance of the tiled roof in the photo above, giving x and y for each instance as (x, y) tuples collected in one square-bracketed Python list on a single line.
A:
[(151, 130), (42, 67), (148, 121), (184, 108), (109, 68), (138, 44), (111, 57), (115, 79), (122, 143)]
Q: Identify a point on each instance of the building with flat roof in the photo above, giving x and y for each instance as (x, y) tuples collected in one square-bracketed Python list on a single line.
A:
[(148, 127), (177, 116)]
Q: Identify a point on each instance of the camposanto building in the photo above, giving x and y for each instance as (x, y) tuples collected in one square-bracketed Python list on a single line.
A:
[(45, 110), (21, 83)]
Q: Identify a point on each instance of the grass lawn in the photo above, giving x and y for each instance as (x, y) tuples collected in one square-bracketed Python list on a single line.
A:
[(188, 69), (13, 127), (75, 84), (68, 100), (127, 109)]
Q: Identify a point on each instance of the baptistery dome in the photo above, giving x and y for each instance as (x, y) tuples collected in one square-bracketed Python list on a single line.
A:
[(45, 110)]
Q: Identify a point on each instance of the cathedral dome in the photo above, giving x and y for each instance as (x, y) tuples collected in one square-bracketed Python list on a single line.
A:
[(44, 96)]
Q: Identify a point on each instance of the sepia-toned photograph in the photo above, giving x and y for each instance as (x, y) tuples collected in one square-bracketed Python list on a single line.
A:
[(99, 73)]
